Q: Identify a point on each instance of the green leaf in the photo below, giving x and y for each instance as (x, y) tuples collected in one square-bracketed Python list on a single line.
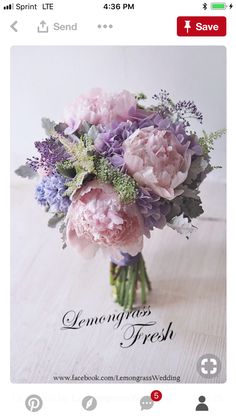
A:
[(197, 166), (191, 207), (66, 169), (207, 141), (190, 193), (75, 183), (140, 96), (26, 171)]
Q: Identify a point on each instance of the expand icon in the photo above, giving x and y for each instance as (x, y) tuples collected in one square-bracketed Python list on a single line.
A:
[(209, 366)]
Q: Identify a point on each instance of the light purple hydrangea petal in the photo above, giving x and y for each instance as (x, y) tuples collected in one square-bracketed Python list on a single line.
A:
[(153, 209), (50, 192)]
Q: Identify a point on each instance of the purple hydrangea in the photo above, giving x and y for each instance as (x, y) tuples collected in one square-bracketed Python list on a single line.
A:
[(51, 152), (153, 209), (109, 142), (50, 192)]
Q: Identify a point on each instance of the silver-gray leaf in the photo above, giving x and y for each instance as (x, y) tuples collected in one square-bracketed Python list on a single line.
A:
[(48, 125), (55, 220), (26, 171)]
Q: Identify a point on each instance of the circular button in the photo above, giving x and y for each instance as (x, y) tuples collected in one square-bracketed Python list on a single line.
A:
[(156, 395)]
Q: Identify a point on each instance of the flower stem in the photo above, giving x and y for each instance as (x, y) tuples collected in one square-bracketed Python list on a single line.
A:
[(127, 279), (112, 272), (143, 291), (144, 273), (122, 288), (132, 279)]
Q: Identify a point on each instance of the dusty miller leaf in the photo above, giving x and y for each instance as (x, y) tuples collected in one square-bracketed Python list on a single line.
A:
[(182, 225), (48, 126), (55, 220), (75, 183), (192, 208), (26, 171), (190, 193), (198, 166), (62, 230), (188, 206)]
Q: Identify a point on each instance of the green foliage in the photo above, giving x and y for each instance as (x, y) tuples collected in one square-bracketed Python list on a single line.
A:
[(192, 208), (75, 183), (66, 168), (189, 204), (81, 163), (84, 163), (81, 152), (140, 96), (207, 140), (123, 184), (103, 170), (197, 167)]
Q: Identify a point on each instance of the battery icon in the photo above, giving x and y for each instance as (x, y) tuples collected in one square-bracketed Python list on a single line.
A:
[(218, 6)]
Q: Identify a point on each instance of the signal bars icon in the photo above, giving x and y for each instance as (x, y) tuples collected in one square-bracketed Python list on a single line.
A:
[(8, 7)]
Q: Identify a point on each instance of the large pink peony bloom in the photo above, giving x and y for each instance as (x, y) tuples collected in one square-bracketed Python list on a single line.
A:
[(99, 107), (96, 218), (156, 159)]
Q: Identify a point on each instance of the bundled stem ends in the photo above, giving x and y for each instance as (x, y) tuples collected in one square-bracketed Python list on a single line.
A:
[(127, 279)]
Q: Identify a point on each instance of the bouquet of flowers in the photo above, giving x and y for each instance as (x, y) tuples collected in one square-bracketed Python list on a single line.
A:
[(114, 170)]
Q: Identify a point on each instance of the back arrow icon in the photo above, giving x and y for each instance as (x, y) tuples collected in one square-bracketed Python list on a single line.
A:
[(13, 26)]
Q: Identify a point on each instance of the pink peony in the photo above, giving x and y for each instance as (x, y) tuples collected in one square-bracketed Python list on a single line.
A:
[(96, 218), (99, 107), (157, 160)]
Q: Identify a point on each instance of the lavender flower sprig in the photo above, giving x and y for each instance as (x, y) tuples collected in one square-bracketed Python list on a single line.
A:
[(182, 110), (51, 152)]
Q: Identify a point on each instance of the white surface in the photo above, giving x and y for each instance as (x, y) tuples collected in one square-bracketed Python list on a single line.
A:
[(188, 277)]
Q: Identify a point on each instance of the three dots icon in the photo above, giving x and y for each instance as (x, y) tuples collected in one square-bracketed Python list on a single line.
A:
[(105, 26)]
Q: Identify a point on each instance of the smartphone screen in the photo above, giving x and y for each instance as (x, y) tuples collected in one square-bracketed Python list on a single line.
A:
[(118, 116)]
